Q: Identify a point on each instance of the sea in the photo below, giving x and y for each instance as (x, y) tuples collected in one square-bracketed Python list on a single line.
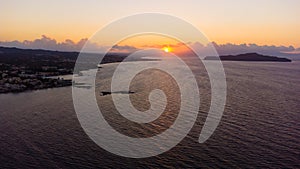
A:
[(260, 126)]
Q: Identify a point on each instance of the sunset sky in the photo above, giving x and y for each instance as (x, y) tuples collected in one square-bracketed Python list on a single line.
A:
[(263, 22)]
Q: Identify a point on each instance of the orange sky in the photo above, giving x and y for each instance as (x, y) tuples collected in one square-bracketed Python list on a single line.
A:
[(262, 22)]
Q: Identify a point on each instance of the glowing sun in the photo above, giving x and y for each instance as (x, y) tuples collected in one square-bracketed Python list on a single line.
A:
[(167, 49)]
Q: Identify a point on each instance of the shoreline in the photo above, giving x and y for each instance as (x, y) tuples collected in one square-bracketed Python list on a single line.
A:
[(23, 85)]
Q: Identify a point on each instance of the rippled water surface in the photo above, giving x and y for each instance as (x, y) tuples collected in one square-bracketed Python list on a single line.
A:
[(260, 126)]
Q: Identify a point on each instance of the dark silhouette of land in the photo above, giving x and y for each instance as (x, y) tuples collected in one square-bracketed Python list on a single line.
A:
[(249, 57), (31, 69)]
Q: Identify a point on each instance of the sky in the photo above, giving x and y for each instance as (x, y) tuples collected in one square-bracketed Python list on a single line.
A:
[(259, 22)]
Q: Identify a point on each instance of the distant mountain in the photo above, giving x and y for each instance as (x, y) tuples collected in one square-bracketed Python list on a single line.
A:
[(249, 57)]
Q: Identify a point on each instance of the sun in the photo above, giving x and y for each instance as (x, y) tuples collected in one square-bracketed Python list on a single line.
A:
[(167, 49)]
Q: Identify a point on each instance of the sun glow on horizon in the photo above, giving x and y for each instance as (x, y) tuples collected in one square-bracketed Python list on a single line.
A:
[(219, 22), (166, 49)]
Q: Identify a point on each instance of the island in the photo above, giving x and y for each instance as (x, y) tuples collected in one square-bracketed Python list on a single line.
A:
[(248, 57)]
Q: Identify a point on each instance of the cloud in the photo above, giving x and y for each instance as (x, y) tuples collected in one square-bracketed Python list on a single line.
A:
[(124, 49), (244, 48), (233, 49), (179, 44), (46, 42), (296, 51)]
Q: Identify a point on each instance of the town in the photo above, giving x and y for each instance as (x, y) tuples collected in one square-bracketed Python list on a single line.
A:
[(22, 70), (33, 69), (18, 79)]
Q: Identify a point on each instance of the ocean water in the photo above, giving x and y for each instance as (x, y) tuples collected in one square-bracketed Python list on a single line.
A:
[(260, 127)]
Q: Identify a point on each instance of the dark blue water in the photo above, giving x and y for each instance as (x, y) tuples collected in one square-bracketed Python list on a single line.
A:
[(260, 127)]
